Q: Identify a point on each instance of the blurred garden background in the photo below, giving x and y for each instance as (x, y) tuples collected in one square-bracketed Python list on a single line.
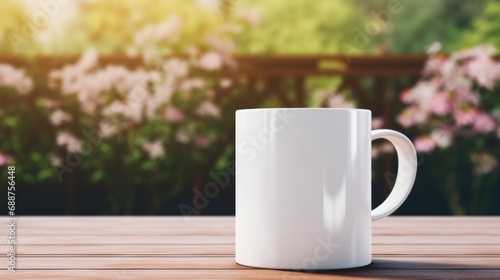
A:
[(127, 107)]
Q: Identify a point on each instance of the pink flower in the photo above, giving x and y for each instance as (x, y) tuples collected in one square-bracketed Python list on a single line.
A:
[(424, 144), (182, 137), (168, 30), (173, 114), (134, 111), (464, 93), (483, 123), (149, 54), (377, 123), (411, 116), (225, 83), (432, 65), (448, 68), (4, 159), (484, 70), (209, 4), (143, 37), (223, 46), (55, 160), (88, 60), (406, 119), (191, 50), (386, 148), (464, 117), (337, 101), (175, 67), (58, 117), (483, 162), (70, 142), (201, 142), (476, 51), (434, 48), (190, 84), (421, 94), (165, 31), (249, 15), (107, 130), (51, 103), (114, 108), (154, 149), (210, 61), (440, 104), (207, 108), (442, 137), (17, 79)]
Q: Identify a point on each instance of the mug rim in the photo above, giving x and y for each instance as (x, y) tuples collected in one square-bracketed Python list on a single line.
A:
[(306, 109)]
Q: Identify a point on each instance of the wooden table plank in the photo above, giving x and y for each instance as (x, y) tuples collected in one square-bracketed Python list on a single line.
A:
[(123, 249), (229, 239), (256, 274), (206, 250), (195, 262), (203, 248), (229, 230)]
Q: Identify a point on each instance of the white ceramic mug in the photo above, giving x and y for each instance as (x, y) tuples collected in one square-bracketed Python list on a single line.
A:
[(303, 187)]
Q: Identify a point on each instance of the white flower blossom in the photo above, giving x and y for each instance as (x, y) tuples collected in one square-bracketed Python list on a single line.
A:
[(59, 117), (207, 108), (17, 79), (210, 61), (154, 149), (69, 141)]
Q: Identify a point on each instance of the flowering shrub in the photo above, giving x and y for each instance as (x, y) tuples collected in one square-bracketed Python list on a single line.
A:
[(16, 79), (150, 125), (450, 100), (14, 85), (456, 106)]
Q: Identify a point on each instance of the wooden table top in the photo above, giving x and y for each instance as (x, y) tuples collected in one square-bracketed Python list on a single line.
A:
[(203, 248)]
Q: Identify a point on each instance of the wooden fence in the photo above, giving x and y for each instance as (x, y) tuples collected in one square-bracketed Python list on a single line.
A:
[(374, 81)]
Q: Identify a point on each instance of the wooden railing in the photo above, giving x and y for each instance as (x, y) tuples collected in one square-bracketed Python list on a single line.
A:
[(374, 81)]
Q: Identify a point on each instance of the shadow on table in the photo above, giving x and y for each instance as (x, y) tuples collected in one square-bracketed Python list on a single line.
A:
[(397, 269)]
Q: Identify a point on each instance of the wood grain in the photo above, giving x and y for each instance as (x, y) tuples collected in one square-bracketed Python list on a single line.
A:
[(203, 248)]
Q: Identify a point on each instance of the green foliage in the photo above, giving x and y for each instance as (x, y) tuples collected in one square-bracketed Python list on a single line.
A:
[(299, 26), (423, 22), (286, 27), (485, 28), (110, 26)]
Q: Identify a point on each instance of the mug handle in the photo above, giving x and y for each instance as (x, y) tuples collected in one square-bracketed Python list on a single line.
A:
[(407, 170)]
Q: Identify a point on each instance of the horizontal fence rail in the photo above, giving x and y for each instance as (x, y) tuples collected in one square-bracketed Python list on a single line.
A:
[(305, 65), (373, 81)]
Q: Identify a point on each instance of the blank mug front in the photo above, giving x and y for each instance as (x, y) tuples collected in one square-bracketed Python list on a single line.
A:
[(303, 188)]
